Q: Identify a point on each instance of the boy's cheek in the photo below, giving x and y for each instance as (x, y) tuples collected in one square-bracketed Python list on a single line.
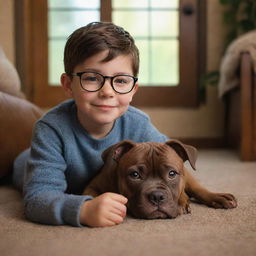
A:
[(127, 100)]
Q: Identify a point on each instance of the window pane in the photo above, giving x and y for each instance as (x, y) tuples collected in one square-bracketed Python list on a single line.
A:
[(154, 26), (63, 23), (145, 3), (130, 3), (164, 3), (144, 75), (164, 23), (55, 67), (74, 3), (65, 16), (164, 62), (129, 21)]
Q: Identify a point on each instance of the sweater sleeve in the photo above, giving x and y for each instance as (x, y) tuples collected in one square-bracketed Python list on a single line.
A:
[(45, 182)]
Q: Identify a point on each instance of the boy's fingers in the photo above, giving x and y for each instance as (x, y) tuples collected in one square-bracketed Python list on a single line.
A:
[(105, 223), (119, 198), (117, 219), (120, 210)]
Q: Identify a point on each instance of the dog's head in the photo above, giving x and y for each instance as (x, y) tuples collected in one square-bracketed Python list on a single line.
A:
[(151, 175)]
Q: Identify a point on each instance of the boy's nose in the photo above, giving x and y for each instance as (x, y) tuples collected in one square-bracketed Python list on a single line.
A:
[(107, 89)]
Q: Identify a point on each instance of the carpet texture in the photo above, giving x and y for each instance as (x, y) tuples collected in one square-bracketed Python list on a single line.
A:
[(204, 232)]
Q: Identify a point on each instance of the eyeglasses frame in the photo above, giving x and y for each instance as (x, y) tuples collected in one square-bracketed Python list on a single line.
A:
[(79, 74)]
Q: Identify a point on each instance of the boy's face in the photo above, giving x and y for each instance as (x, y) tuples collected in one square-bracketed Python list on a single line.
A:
[(99, 110)]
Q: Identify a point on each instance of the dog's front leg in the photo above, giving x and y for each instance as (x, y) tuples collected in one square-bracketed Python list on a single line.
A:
[(104, 181), (95, 188), (215, 200), (183, 203)]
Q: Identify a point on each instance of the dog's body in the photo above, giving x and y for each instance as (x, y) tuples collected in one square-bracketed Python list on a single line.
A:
[(153, 178)]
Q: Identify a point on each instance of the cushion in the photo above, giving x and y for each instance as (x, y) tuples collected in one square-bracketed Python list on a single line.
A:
[(17, 118), (9, 78)]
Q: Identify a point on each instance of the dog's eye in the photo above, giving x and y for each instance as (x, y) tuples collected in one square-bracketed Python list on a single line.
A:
[(172, 174), (134, 175)]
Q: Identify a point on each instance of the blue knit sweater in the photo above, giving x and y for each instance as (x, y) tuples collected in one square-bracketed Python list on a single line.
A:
[(64, 158)]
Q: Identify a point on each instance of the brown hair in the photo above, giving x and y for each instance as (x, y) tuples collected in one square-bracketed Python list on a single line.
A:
[(96, 37)]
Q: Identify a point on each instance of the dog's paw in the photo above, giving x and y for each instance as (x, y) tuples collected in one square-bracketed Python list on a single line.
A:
[(222, 200), (184, 209)]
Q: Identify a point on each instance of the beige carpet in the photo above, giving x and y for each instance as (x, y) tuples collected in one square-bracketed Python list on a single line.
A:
[(206, 232)]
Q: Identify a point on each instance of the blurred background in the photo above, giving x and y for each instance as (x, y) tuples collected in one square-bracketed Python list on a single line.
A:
[(181, 46)]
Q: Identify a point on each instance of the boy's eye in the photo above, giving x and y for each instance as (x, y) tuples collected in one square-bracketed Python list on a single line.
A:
[(90, 78), (120, 81)]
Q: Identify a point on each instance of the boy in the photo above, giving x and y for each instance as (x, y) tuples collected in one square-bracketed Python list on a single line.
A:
[(101, 67)]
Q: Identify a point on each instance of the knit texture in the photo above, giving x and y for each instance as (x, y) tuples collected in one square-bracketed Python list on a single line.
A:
[(64, 158)]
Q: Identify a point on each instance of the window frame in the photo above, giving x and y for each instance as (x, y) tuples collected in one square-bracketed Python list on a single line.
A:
[(32, 56)]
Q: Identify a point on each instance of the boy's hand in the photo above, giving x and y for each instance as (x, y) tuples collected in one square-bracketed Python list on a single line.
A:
[(107, 209)]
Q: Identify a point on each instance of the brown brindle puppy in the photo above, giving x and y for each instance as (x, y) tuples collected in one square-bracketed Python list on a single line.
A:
[(153, 178)]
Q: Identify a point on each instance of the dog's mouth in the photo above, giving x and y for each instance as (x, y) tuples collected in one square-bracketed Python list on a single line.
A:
[(158, 214)]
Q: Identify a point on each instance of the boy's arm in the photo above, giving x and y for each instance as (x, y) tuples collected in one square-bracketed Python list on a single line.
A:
[(45, 182)]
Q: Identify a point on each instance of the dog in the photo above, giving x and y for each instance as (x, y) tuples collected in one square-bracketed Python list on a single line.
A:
[(153, 178)]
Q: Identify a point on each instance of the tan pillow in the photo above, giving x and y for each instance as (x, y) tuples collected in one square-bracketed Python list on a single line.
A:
[(9, 78), (17, 118)]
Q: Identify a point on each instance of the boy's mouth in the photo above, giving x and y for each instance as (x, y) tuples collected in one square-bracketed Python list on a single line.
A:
[(104, 107)]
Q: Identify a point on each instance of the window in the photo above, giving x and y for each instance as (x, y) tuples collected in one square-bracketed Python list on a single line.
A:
[(169, 34), (154, 26)]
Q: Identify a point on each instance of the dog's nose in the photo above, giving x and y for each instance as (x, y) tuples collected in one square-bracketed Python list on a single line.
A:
[(157, 197)]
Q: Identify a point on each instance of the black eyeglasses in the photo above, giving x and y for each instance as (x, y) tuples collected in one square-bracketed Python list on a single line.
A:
[(93, 81)]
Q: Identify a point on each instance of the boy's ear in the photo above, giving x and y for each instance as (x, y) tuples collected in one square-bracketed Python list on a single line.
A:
[(136, 87), (66, 84)]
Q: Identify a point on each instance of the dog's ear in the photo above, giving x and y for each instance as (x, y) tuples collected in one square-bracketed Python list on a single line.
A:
[(186, 152), (116, 151)]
